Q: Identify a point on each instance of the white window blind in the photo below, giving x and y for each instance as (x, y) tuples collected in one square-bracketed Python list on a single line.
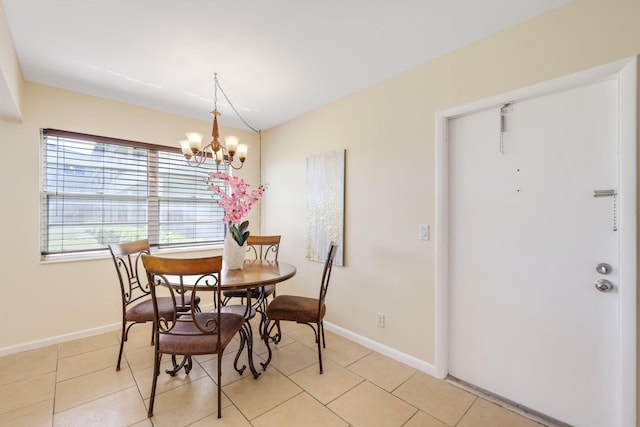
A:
[(97, 191)]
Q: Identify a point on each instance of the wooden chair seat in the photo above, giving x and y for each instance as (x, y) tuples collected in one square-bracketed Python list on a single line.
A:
[(186, 338), (143, 311), (295, 309)]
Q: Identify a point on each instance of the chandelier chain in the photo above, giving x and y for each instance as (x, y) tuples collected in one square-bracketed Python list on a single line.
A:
[(215, 101)]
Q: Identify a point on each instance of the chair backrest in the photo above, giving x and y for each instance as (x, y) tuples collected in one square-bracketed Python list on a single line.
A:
[(326, 274), (264, 247), (179, 277), (126, 258)]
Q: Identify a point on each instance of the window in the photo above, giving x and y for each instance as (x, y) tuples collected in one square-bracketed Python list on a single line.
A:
[(97, 191)]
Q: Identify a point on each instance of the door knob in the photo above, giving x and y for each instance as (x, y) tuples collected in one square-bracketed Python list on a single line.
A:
[(603, 285), (603, 268)]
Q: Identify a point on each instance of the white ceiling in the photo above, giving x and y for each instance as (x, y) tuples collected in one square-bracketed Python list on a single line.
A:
[(275, 59)]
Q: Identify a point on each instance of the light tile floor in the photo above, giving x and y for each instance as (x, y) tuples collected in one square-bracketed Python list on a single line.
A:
[(76, 384)]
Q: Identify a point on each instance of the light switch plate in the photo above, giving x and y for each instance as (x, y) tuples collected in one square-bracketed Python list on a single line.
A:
[(423, 232)]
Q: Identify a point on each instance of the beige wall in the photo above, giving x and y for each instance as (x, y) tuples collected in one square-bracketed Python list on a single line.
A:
[(388, 133), (54, 299)]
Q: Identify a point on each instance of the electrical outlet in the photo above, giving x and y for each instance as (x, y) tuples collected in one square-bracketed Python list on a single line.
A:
[(380, 320)]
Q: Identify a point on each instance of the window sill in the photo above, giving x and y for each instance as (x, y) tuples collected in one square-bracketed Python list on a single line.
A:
[(63, 258)]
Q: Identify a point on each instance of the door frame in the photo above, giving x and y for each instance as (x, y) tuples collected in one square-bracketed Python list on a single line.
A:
[(626, 71)]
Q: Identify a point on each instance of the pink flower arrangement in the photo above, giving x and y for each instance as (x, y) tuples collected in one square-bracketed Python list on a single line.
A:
[(236, 203)]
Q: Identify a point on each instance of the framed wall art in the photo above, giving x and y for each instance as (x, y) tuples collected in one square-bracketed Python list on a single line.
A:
[(325, 205)]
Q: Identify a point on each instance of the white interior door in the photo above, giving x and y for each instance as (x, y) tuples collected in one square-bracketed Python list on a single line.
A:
[(525, 236)]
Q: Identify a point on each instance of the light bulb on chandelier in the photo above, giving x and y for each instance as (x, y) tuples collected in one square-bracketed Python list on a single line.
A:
[(196, 154)]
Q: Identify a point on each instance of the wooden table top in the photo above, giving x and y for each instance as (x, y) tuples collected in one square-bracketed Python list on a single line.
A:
[(255, 273)]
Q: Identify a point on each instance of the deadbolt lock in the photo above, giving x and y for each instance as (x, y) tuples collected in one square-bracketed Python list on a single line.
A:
[(603, 268)]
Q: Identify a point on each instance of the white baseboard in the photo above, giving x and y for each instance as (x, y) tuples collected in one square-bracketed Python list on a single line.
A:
[(366, 342), (32, 345), (392, 353)]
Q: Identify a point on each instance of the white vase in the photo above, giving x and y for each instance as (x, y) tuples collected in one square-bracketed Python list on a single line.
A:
[(233, 255)]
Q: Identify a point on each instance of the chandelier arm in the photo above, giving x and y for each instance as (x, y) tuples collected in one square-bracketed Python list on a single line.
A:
[(197, 159)]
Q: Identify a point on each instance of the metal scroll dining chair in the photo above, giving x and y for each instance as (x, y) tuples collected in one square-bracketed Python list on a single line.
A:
[(191, 333), (261, 248), (258, 247), (305, 310), (137, 306)]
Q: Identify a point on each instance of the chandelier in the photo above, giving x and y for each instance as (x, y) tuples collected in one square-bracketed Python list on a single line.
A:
[(196, 154)]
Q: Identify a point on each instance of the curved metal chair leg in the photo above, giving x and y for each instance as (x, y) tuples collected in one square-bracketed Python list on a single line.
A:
[(265, 337), (189, 365), (156, 373), (279, 333), (122, 338), (125, 336), (249, 331), (318, 330), (278, 336), (186, 362), (243, 339), (318, 336), (219, 384)]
